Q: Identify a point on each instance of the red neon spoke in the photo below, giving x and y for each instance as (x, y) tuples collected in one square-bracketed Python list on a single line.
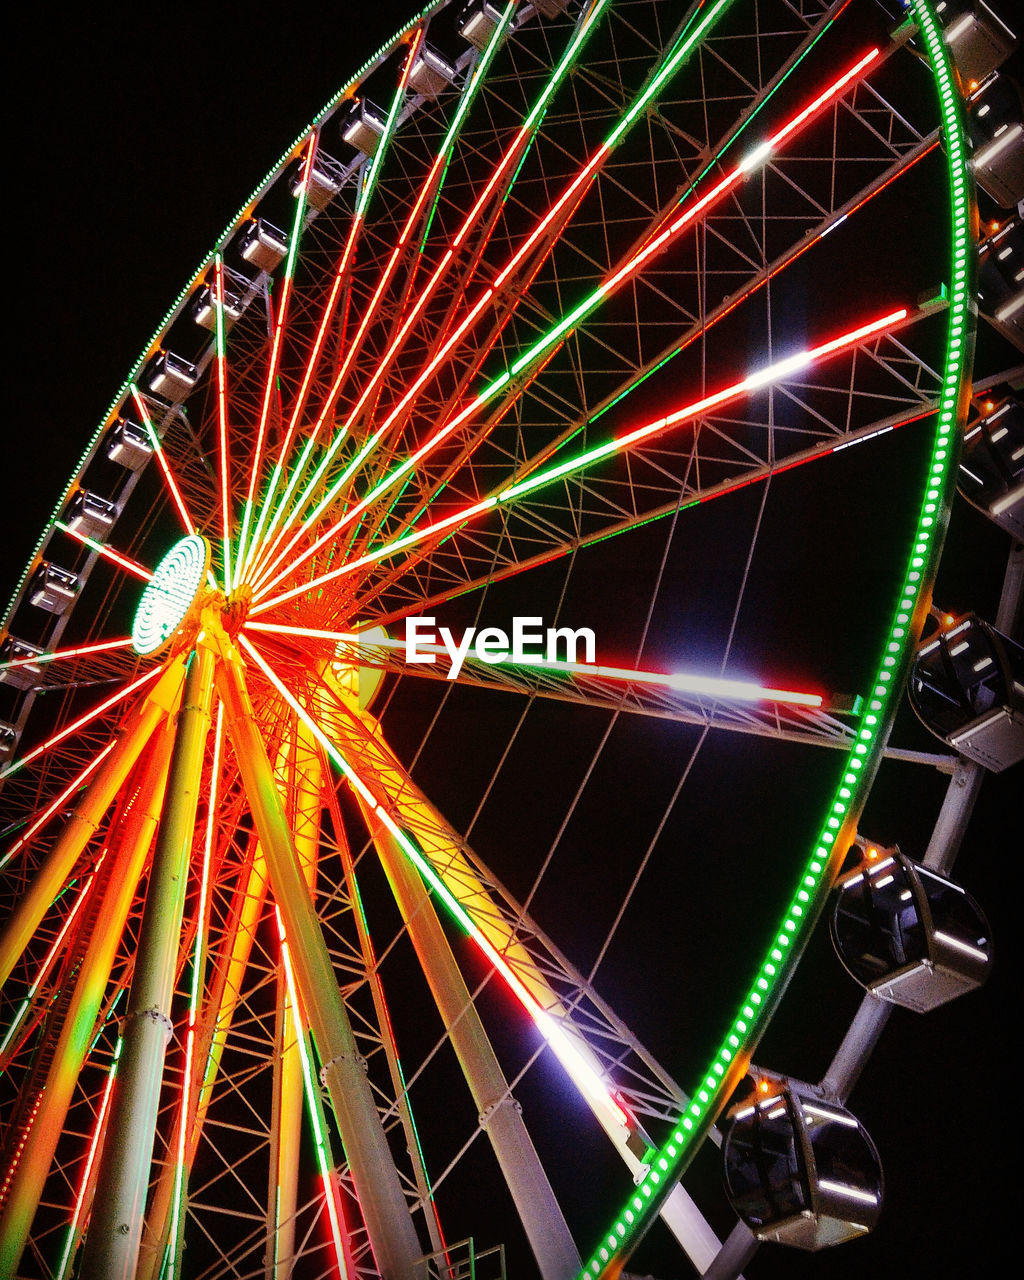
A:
[(580, 1070), (341, 277), (681, 681), (115, 557), (275, 357), (80, 723), (224, 459), (187, 522), (56, 805), (771, 373), (101, 647), (654, 245), (542, 558), (506, 168)]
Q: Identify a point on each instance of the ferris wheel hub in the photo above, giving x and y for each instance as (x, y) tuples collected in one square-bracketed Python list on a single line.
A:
[(172, 596)]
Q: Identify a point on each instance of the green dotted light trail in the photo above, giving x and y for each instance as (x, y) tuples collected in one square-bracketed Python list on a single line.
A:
[(730, 1060)]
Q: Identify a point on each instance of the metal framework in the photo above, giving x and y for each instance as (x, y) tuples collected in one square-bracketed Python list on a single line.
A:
[(549, 335)]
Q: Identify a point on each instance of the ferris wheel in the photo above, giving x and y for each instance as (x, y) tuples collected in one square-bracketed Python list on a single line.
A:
[(457, 585)]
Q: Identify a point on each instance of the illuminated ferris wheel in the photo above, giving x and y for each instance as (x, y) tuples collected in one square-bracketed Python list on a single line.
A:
[(321, 954)]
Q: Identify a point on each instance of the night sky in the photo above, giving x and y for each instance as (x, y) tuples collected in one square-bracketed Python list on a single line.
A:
[(137, 136)]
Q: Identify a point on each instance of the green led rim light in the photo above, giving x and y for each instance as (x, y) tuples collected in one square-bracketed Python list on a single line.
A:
[(167, 599), (731, 1059)]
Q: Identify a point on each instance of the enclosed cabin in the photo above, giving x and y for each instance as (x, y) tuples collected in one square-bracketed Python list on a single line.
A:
[(799, 1169), (430, 74), (978, 39), (1001, 278), (52, 588), (18, 666), (908, 934), (90, 515), (324, 182), (128, 445), (994, 121), (262, 244), (234, 293), (364, 127), (478, 22), (967, 687), (171, 377), (992, 467)]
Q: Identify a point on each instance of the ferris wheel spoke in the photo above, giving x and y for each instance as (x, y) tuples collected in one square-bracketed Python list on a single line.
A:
[(543, 233), (270, 386), (108, 553), (88, 718), (512, 933), (56, 805), (685, 698), (187, 522), (492, 560), (340, 285), (654, 244), (32, 1009), (353, 741), (512, 493), (223, 452), (89, 811), (489, 199)]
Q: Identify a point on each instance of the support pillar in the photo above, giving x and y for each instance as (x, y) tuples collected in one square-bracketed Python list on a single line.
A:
[(112, 1243), (500, 1114), (385, 1210)]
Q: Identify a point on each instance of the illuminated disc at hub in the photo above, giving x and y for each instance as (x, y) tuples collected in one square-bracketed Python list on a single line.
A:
[(170, 594)]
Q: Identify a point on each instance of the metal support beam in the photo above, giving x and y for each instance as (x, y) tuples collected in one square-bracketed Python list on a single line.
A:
[(738, 1249), (112, 1242), (360, 738), (88, 814), (132, 848), (500, 1114), (385, 1210), (300, 762)]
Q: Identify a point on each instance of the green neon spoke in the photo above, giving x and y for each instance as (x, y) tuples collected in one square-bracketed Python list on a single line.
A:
[(730, 1060), (446, 149), (530, 126), (597, 296), (683, 47)]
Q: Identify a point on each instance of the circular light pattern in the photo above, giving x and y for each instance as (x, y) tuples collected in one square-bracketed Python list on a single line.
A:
[(170, 594)]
